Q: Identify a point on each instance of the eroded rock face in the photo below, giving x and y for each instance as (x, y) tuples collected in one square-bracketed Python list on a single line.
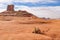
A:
[(17, 14), (10, 8), (11, 12)]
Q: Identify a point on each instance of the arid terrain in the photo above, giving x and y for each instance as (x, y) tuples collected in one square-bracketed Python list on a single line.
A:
[(21, 25), (21, 28)]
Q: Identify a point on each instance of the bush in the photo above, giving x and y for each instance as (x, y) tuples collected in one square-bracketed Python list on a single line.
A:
[(37, 31)]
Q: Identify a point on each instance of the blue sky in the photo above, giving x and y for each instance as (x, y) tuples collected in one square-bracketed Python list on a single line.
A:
[(34, 3), (37, 4), (40, 8)]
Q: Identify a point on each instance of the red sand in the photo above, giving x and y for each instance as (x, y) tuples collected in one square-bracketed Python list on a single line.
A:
[(21, 28)]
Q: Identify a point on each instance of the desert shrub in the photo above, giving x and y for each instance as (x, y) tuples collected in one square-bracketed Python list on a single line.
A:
[(37, 31)]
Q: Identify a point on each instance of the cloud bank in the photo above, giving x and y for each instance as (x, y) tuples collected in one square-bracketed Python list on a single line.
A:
[(48, 12), (40, 8)]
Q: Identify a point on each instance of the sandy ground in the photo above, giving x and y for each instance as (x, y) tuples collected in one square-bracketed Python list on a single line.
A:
[(22, 28)]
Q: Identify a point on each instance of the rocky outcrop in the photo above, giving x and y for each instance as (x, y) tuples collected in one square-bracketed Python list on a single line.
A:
[(10, 8), (11, 12)]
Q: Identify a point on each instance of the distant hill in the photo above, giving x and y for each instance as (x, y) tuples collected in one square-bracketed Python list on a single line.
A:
[(11, 12)]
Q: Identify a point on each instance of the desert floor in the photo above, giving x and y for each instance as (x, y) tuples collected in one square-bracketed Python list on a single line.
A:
[(22, 28)]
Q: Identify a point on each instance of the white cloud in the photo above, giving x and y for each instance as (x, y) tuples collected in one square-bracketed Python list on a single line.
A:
[(42, 1), (27, 0), (1, 10), (35, 0), (4, 0), (51, 12)]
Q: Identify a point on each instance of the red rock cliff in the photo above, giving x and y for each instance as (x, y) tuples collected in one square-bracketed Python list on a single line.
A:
[(10, 8)]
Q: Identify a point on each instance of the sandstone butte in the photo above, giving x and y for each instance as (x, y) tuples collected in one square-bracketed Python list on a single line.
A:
[(20, 25)]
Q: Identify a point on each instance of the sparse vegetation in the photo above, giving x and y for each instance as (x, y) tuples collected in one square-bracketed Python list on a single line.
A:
[(37, 31)]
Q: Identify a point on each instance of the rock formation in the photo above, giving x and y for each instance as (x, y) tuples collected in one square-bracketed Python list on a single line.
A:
[(11, 12), (10, 8)]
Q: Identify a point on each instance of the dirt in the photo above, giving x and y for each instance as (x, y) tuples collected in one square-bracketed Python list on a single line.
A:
[(21, 28)]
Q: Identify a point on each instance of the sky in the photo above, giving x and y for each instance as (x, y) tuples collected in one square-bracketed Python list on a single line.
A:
[(40, 8)]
